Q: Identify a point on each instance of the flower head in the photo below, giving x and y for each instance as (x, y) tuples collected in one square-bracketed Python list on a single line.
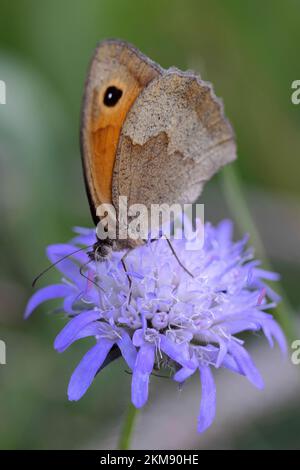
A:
[(159, 316)]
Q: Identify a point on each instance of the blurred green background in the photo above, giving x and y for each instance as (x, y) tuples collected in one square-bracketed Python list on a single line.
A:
[(250, 51)]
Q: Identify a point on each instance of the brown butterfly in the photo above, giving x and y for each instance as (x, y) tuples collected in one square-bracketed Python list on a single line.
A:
[(150, 134)]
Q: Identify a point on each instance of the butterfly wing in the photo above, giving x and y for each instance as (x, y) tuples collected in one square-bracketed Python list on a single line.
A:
[(118, 73), (173, 140)]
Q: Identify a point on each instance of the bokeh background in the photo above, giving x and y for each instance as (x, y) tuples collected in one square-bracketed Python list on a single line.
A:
[(250, 51)]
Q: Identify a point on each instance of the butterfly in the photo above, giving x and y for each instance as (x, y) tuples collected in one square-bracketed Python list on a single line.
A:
[(148, 134)]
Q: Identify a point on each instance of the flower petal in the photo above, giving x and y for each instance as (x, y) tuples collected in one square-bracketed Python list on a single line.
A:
[(177, 352), (222, 351), (208, 399), (141, 372), (263, 274), (86, 370), (46, 293), (224, 233), (69, 302), (85, 236), (68, 267), (138, 337), (236, 326), (127, 349), (272, 329), (246, 364), (230, 363), (183, 374), (69, 333), (92, 329)]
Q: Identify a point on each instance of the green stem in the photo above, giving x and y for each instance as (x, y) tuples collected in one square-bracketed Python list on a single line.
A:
[(128, 428), (237, 204)]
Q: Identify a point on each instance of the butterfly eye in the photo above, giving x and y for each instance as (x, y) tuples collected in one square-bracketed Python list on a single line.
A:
[(112, 96)]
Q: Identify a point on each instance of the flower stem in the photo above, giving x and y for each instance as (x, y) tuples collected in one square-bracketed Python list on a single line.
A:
[(128, 428), (237, 204)]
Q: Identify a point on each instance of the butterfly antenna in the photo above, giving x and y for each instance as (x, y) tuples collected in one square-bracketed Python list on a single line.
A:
[(87, 277), (57, 262)]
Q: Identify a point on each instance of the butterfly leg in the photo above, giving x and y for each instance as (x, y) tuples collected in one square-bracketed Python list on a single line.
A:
[(177, 258), (125, 269)]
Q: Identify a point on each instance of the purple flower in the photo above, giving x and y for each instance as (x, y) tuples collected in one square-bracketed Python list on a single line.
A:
[(159, 316)]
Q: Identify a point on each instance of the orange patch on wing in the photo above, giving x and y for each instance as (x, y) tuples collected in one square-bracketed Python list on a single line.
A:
[(104, 138)]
